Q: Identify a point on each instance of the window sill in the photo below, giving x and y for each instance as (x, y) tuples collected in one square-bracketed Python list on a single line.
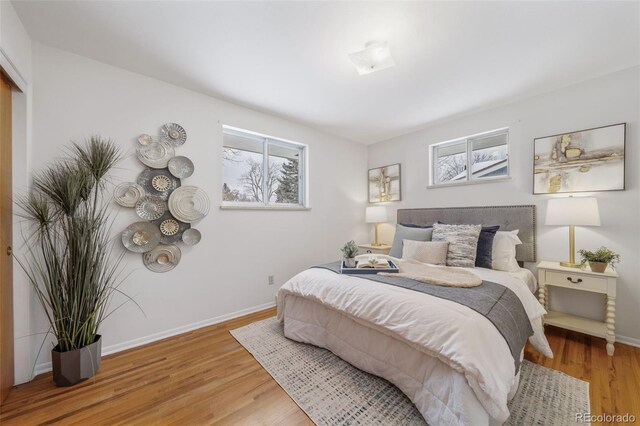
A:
[(470, 182), (239, 207)]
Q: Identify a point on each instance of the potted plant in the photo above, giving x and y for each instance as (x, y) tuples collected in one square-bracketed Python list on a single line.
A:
[(599, 259), (68, 257), (349, 253)]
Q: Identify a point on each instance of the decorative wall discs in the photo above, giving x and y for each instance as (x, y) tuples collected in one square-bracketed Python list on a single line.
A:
[(173, 134), (189, 204), (191, 237), (181, 167), (158, 187), (150, 207), (156, 154), (145, 139), (161, 183), (153, 185), (163, 258), (171, 239), (127, 194), (169, 227), (141, 237)]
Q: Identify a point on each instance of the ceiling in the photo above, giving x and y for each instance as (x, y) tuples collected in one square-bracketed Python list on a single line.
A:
[(290, 58)]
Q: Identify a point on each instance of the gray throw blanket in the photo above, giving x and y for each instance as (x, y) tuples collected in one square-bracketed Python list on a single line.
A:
[(494, 301)]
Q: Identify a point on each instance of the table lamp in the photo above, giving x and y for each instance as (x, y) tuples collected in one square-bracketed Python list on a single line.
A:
[(376, 215), (573, 211)]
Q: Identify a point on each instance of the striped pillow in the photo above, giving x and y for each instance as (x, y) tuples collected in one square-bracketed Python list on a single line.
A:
[(463, 243)]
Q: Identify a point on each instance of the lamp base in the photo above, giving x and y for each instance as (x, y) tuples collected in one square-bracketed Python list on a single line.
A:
[(571, 265), (376, 244)]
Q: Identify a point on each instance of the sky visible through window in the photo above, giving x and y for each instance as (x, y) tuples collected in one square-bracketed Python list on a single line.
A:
[(243, 175), (489, 162)]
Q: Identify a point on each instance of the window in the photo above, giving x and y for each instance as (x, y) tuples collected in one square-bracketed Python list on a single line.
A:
[(261, 171), (487, 153)]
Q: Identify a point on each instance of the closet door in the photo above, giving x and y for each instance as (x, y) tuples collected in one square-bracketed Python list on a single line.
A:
[(6, 261)]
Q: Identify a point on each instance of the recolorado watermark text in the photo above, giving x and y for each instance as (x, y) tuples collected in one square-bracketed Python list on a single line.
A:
[(605, 418)]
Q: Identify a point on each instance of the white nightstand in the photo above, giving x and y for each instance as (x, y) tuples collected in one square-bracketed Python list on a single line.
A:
[(370, 249), (551, 274)]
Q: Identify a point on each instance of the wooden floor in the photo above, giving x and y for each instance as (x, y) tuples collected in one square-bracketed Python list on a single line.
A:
[(205, 377), (614, 382)]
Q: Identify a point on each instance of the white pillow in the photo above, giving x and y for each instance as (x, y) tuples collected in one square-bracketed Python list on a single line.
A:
[(433, 252), (504, 251)]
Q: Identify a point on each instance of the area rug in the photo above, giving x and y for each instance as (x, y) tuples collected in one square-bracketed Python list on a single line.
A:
[(333, 392)]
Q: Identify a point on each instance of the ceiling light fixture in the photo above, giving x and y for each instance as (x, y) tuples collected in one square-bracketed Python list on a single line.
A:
[(375, 57)]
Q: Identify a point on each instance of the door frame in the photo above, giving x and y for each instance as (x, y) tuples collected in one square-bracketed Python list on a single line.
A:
[(7, 351)]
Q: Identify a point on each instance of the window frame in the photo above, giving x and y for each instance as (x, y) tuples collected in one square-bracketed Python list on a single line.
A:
[(468, 140), (267, 140)]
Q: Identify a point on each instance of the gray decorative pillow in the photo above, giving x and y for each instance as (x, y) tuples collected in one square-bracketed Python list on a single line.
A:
[(408, 233), (463, 243)]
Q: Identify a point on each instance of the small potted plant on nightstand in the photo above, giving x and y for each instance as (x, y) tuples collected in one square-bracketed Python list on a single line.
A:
[(599, 259), (349, 253)]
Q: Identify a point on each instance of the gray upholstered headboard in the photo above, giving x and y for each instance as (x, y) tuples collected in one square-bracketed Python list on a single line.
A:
[(508, 217)]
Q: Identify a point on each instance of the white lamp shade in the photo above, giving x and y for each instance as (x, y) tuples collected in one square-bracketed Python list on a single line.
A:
[(376, 214), (573, 211)]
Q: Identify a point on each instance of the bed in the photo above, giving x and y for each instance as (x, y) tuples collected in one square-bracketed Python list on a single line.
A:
[(451, 361)]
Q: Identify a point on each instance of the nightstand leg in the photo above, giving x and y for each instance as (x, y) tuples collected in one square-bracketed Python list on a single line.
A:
[(542, 295), (547, 297), (611, 324)]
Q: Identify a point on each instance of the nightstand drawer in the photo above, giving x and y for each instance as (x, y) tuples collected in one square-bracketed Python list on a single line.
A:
[(371, 249), (586, 282)]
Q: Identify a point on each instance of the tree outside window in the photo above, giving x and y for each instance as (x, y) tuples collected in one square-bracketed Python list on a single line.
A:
[(261, 171), (487, 153)]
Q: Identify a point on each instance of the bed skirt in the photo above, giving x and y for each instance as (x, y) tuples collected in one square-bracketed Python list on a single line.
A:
[(440, 393)]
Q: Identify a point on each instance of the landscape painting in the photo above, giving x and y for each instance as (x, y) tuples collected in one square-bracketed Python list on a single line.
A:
[(581, 161), (384, 184)]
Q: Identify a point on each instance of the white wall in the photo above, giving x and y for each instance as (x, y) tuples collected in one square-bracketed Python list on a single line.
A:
[(15, 60), (606, 100), (15, 45), (75, 97)]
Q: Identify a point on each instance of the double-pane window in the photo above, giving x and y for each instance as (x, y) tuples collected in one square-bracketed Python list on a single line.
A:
[(473, 158), (260, 171)]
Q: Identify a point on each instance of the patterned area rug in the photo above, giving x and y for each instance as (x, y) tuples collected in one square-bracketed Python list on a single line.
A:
[(333, 392)]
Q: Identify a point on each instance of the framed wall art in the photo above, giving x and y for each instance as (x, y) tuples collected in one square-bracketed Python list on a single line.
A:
[(384, 184), (581, 161)]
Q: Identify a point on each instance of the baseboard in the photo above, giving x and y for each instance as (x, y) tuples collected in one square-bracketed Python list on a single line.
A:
[(119, 347), (631, 341)]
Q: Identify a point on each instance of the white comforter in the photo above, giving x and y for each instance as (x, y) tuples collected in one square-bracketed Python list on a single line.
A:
[(455, 334)]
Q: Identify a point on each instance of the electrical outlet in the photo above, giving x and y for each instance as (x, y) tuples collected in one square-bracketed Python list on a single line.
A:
[(271, 282)]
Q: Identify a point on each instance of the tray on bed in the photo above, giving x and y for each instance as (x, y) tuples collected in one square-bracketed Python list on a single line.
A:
[(364, 271)]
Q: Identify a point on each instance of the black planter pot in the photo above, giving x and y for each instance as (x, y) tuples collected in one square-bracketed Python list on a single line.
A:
[(72, 367)]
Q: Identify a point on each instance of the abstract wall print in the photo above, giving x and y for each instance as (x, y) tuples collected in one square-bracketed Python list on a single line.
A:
[(166, 208), (581, 161), (384, 184)]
